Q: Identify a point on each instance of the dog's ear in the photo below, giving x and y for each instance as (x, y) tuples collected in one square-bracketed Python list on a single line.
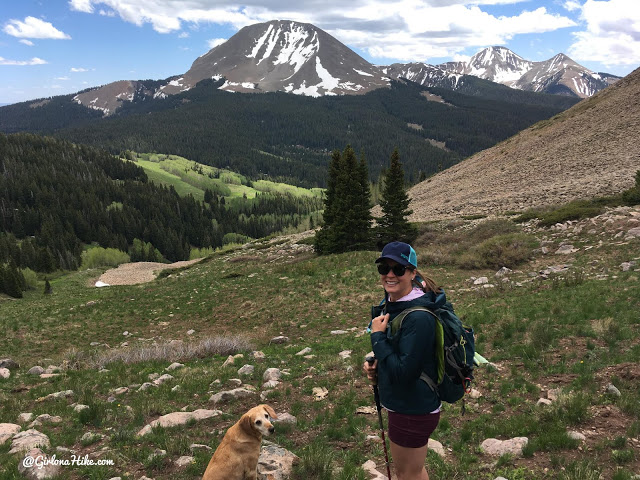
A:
[(246, 422), (270, 411)]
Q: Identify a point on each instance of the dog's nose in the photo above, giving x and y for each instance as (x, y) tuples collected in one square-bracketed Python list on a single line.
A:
[(272, 429)]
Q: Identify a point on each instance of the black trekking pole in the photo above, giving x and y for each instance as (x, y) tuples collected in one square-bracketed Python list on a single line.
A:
[(376, 395)]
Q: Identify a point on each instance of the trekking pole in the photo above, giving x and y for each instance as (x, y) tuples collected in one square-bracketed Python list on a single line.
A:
[(376, 395)]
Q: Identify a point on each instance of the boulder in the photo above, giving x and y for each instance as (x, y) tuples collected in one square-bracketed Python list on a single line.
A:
[(178, 418), (25, 441), (36, 465), (37, 370), (497, 448), (234, 394), (275, 462), (246, 370), (7, 431), (272, 374), (9, 364)]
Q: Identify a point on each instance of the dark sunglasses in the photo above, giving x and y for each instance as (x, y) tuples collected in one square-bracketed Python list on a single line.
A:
[(398, 270)]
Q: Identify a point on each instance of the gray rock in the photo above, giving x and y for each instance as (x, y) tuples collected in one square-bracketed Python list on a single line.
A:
[(286, 418), (246, 370), (174, 366), (178, 418), (56, 395), (5, 373), (481, 281), (272, 374), (234, 394), (613, 390), (279, 340), (41, 469), (163, 379), (25, 417), (9, 364), (275, 462), (25, 441), (304, 351), (566, 249), (37, 370), (497, 448), (576, 436), (184, 461)]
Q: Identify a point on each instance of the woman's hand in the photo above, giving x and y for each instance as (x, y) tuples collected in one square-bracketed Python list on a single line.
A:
[(379, 324), (370, 370)]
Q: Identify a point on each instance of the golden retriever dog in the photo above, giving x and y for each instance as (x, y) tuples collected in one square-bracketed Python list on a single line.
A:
[(236, 458)]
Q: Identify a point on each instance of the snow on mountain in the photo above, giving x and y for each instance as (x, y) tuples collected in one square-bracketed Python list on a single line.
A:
[(284, 56)]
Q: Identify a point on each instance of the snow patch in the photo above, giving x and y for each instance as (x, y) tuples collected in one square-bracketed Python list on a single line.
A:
[(362, 73)]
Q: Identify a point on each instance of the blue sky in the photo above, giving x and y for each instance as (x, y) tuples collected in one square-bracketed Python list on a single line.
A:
[(56, 47)]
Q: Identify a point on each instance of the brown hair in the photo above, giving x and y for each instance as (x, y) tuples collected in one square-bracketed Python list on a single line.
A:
[(427, 284)]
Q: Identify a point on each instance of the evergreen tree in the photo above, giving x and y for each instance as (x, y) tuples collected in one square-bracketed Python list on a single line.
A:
[(393, 225), (347, 217)]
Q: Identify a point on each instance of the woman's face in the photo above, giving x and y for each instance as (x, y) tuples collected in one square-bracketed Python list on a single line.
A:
[(397, 286)]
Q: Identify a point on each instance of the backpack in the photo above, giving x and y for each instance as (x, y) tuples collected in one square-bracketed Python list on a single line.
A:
[(455, 350)]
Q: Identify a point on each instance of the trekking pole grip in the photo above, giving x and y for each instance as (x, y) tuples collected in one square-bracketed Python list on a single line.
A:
[(370, 361)]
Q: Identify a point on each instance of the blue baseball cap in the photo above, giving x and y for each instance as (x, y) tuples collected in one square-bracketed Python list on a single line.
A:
[(401, 252)]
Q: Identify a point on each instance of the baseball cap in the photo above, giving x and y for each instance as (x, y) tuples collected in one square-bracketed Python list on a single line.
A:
[(401, 252)]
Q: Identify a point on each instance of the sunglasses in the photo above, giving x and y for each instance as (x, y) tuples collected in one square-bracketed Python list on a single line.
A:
[(398, 270)]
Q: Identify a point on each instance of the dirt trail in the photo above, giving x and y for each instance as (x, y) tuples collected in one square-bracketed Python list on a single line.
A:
[(139, 272)]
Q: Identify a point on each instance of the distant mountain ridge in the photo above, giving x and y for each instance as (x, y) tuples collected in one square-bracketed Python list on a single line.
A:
[(300, 58)]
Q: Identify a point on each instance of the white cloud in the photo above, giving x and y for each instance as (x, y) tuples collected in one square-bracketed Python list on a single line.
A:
[(81, 5), (33, 61), (34, 28), (572, 5), (27, 42), (215, 42), (612, 34), (410, 30), (107, 13), (183, 35), (76, 70), (61, 78)]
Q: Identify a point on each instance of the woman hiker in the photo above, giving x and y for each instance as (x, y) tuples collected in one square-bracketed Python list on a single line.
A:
[(413, 407)]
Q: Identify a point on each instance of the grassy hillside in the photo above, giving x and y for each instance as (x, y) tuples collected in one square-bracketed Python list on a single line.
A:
[(193, 178), (557, 321)]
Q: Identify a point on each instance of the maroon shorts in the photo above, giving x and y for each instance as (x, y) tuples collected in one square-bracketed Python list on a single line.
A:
[(412, 431)]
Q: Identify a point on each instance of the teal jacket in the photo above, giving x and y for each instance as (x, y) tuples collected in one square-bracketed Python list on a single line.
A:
[(403, 357)]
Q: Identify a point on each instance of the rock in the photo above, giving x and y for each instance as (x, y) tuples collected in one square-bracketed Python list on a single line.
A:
[(270, 384), (229, 361), (481, 281), (44, 418), (497, 448), (370, 468), (275, 462), (42, 467), (258, 354), (554, 393), (634, 232), (158, 452), (613, 390), (286, 419), (174, 366), (25, 417), (234, 382), (199, 446), (338, 332), (272, 374), (246, 370), (437, 447), (366, 410), (9, 364), (8, 430), (120, 391), (37, 370), (191, 332), (178, 418), (163, 379), (320, 393), (576, 436), (345, 354), (304, 351), (184, 461), (234, 394), (25, 441), (566, 249), (279, 340), (146, 386), (544, 402), (503, 271), (5, 373), (475, 394), (91, 437), (80, 408), (62, 394), (626, 266)]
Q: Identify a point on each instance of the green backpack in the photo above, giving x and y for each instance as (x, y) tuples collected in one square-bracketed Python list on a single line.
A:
[(455, 349)]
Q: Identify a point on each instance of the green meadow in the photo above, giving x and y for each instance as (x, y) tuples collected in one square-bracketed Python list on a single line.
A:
[(573, 332)]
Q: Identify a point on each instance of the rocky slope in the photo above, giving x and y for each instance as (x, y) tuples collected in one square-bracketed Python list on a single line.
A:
[(589, 150)]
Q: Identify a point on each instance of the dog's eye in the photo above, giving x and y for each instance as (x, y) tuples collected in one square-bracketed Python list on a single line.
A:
[(266, 415), (258, 422)]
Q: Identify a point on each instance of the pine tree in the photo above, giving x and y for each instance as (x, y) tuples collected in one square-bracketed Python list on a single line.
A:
[(394, 225), (347, 217)]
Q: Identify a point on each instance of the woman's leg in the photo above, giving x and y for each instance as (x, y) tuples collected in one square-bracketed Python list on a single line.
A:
[(409, 462)]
